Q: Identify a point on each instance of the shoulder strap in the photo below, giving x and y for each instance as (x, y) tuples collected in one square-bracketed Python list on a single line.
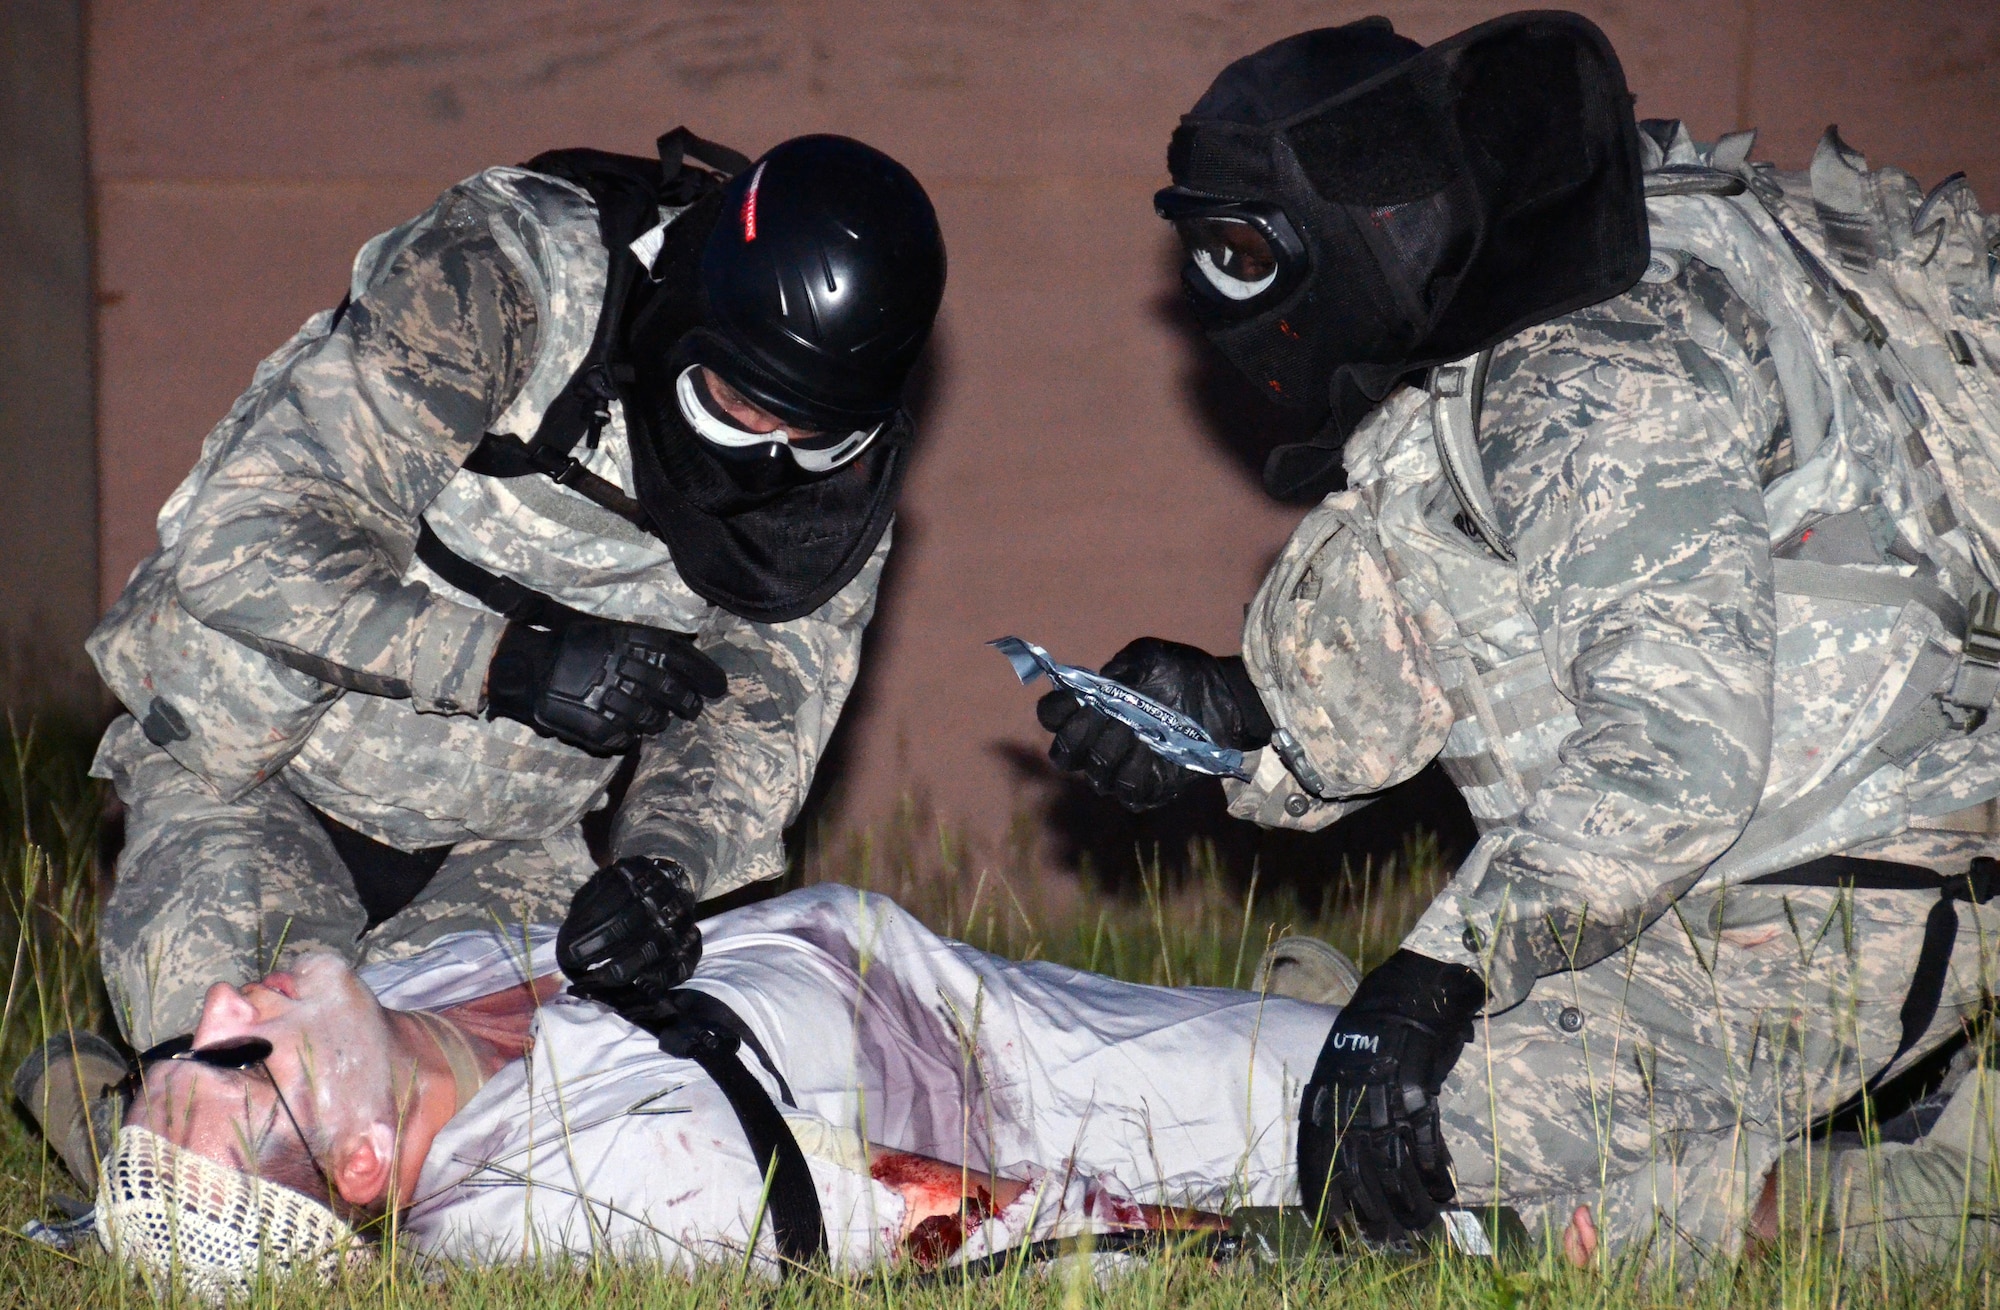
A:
[(700, 1028), (500, 455), (1456, 391), (501, 595), (629, 192)]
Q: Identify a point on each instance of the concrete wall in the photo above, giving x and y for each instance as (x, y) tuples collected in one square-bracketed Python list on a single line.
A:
[(1085, 474), (48, 467)]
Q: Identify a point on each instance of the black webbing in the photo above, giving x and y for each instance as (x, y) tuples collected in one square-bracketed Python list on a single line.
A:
[(1978, 884), (628, 192), (501, 595), (696, 1026), (680, 185), (501, 455), (703, 1008)]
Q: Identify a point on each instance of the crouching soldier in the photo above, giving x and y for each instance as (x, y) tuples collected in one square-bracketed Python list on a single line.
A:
[(594, 466), (1669, 529)]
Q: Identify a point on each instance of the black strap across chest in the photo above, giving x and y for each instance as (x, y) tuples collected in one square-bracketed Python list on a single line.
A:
[(502, 455), (692, 1025), (628, 193), (502, 595)]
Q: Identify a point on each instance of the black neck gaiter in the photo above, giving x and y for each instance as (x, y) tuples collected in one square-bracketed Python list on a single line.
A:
[(768, 554)]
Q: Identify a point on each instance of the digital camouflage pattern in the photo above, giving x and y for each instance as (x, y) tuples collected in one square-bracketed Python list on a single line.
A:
[(1902, 1202), (1660, 1085), (300, 648), (209, 889), (717, 794), (1666, 695)]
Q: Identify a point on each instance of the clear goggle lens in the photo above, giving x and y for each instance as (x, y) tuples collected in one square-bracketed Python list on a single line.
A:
[(819, 453), (1234, 254)]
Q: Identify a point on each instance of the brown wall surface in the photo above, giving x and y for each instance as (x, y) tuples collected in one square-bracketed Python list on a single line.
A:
[(1077, 482), (48, 457)]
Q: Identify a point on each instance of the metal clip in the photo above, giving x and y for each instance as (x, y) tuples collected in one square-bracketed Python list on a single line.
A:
[(1864, 318), (1293, 757), (1978, 679)]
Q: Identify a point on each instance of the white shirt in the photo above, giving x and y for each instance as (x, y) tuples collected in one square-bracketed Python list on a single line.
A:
[(1099, 1093)]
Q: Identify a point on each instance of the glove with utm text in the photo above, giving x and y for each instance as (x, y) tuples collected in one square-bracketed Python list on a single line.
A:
[(1212, 690), (630, 935), (1371, 1146), (599, 685)]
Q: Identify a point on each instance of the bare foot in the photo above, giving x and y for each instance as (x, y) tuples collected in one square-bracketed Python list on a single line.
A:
[(1580, 1238)]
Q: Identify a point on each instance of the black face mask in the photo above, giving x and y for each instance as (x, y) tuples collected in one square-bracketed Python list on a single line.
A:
[(1429, 210), (749, 532)]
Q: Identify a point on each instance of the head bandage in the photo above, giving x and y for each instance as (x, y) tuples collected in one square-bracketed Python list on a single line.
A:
[(163, 1208)]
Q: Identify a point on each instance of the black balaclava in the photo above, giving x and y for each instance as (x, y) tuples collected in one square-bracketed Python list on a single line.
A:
[(766, 542), (1440, 200)]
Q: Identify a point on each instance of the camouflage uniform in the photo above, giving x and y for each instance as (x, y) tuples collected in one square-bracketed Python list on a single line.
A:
[(1909, 1202), (1716, 633), (284, 645)]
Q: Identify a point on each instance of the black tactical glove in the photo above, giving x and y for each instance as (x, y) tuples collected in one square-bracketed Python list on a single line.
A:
[(1212, 690), (630, 935), (1371, 1146), (600, 685)]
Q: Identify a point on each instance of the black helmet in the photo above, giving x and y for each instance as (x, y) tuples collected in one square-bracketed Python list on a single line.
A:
[(820, 280)]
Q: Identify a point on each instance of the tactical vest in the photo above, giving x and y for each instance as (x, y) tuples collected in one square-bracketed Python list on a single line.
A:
[(1883, 331), (236, 718)]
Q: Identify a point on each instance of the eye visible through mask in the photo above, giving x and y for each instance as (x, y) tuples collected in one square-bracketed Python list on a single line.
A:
[(1231, 254), (819, 453), (1243, 253)]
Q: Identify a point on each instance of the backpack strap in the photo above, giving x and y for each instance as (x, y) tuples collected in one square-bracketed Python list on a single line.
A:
[(1456, 392), (502, 595), (629, 193), (693, 1025), (499, 455)]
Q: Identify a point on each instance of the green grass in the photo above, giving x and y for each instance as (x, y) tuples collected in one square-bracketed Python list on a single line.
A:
[(1201, 929)]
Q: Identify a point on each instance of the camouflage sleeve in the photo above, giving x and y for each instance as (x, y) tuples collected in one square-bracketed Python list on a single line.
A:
[(717, 794), (1634, 501), (1343, 669), (299, 539)]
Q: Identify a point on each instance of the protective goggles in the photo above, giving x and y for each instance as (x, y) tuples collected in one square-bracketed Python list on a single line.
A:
[(818, 454), (1242, 250)]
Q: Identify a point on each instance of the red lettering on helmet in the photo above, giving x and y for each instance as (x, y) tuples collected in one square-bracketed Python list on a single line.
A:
[(750, 205), (1272, 383), (1286, 328)]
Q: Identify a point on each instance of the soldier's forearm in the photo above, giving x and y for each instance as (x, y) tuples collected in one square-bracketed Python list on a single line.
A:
[(346, 619)]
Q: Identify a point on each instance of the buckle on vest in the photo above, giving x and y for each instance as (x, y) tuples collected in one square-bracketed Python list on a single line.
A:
[(1293, 757), (1978, 679), (556, 466)]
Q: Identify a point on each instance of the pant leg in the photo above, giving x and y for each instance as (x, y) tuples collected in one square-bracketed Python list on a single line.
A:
[(1658, 1086), (209, 890), (484, 885), (1928, 1202)]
